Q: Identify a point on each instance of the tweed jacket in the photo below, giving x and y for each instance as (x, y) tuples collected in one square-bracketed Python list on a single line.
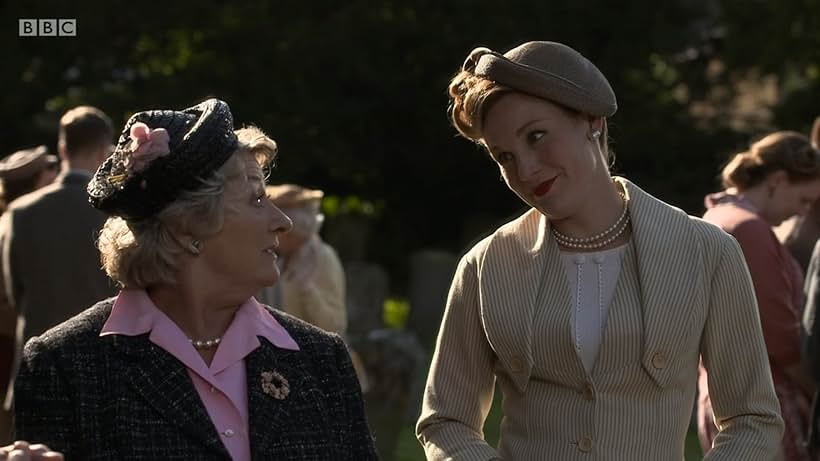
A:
[(124, 398), (684, 294)]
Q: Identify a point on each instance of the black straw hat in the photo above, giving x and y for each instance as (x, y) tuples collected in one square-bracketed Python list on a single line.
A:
[(199, 141)]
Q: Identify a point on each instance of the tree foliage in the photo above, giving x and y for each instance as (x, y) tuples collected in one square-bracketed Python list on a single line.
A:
[(355, 92)]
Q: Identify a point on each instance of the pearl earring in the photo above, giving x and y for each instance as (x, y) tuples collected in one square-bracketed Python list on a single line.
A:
[(596, 134), (195, 246)]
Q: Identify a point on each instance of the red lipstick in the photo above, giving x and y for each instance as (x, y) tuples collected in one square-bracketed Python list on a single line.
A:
[(544, 187)]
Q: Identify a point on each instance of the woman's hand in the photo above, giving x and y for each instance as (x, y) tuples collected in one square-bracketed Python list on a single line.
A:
[(23, 451)]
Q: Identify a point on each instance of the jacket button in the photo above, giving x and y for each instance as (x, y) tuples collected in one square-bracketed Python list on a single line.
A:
[(516, 364), (585, 444), (589, 392), (659, 361)]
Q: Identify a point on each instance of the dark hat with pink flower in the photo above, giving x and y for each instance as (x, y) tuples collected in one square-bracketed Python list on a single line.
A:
[(161, 153)]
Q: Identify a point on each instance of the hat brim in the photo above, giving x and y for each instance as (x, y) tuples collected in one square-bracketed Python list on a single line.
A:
[(543, 84)]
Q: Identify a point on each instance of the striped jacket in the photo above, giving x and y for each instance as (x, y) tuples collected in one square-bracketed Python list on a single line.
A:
[(684, 294), (124, 398)]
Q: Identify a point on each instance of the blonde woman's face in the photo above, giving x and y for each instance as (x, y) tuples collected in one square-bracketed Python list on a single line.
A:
[(546, 155)]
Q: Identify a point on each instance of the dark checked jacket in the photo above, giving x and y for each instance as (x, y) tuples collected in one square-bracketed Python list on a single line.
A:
[(124, 398)]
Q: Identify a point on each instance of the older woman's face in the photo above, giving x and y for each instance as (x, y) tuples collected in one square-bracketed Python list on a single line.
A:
[(243, 253), (546, 155)]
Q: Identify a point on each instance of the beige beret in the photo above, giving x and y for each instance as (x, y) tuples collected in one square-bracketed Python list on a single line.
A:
[(548, 70)]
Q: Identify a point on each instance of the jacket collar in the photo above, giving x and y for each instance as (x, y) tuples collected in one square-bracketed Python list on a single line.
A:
[(74, 177)]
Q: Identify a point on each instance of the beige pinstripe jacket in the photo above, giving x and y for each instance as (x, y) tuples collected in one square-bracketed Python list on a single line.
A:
[(684, 293)]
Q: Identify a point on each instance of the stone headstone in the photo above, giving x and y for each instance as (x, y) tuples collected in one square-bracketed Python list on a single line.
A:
[(367, 288), (431, 273)]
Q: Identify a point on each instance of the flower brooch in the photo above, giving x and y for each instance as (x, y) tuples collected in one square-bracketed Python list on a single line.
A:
[(275, 385)]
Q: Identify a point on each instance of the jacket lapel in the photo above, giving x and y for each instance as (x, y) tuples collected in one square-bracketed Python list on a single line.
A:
[(669, 273), (273, 416), (510, 284), (164, 383)]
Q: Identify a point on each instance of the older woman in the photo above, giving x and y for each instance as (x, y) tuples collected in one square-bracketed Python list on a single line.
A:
[(592, 310), (184, 363)]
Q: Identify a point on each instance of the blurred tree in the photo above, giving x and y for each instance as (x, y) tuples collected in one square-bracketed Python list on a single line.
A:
[(355, 92)]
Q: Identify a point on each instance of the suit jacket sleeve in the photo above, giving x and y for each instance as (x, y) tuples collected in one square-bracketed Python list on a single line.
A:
[(811, 329), (352, 425), (43, 406), (744, 403), (460, 383)]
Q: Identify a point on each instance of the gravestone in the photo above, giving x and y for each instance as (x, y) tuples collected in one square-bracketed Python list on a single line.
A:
[(431, 272), (367, 288)]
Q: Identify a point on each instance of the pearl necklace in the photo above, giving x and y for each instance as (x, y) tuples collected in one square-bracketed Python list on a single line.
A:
[(205, 344), (595, 245), (599, 240)]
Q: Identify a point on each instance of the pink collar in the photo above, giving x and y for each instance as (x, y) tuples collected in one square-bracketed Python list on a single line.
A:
[(134, 314)]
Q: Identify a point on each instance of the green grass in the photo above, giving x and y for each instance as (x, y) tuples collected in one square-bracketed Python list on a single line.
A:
[(409, 449)]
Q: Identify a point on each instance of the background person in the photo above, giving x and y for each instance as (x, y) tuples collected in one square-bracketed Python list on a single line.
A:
[(312, 286), (777, 178)]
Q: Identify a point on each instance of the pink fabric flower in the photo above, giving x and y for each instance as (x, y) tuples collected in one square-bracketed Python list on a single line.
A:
[(146, 146)]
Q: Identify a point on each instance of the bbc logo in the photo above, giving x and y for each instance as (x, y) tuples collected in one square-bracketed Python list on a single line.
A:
[(48, 28)]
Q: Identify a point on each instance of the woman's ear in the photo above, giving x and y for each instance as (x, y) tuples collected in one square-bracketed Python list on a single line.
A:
[(596, 124), (186, 240), (596, 128), (776, 178)]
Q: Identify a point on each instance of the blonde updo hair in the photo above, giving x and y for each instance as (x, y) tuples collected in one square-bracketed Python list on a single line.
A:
[(472, 96), (786, 151), (145, 253)]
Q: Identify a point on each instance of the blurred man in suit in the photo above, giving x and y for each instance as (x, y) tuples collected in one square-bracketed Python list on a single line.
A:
[(21, 172), (50, 265)]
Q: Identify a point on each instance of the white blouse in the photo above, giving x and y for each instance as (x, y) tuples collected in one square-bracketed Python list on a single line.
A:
[(591, 278)]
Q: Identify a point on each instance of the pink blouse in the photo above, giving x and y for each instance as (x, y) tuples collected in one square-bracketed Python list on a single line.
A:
[(222, 386)]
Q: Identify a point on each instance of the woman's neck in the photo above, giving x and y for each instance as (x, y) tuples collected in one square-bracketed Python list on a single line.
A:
[(757, 197), (199, 316), (606, 213)]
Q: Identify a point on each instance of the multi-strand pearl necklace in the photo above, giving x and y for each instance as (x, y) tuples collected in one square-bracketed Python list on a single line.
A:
[(205, 344), (599, 240)]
